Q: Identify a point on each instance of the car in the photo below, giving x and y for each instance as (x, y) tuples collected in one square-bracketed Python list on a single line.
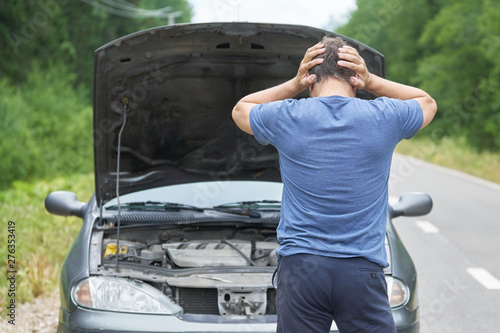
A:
[(180, 234)]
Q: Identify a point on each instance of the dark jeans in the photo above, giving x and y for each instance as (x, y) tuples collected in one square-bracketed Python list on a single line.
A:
[(312, 290)]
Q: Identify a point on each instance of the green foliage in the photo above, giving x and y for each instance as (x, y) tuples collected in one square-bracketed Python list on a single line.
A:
[(449, 49), (393, 28), (63, 31), (489, 86), (46, 127), (42, 240), (46, 77)]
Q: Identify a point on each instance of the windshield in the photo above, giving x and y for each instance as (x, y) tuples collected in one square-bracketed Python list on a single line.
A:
[(205, 194), (251, 209)]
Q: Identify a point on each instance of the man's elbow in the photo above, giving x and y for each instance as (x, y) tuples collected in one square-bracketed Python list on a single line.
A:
[(429, 109), (432, 107), (241, 117), (233, 114), (236, 114)]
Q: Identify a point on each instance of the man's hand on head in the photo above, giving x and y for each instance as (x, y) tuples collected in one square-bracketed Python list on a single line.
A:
[(352, 60), (303, 80), (288, 89)]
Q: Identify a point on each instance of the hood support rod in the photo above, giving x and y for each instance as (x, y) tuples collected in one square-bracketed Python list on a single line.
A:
[(125, 108)]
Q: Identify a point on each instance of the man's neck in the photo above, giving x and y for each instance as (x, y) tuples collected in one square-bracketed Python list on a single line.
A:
[(330, 87)]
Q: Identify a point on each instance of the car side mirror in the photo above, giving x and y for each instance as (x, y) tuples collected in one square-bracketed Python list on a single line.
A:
[(411, 204), (64, 203)]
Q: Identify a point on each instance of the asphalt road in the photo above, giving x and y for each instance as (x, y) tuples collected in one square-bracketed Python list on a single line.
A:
[(456, 248)]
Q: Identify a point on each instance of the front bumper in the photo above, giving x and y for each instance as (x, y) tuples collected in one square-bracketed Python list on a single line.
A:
[(90, 321), (414, 328), (87, 321)]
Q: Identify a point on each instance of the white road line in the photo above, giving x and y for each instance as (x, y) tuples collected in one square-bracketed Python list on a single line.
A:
[(484, 277), (427, 227)]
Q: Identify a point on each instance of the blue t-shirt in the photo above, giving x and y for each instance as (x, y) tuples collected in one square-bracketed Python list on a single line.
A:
[(335, 157)]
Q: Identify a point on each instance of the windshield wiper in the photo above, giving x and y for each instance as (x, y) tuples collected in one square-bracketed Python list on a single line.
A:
[(250, 208), (238, 211), (255, 204), (172, 206), (154, 205)]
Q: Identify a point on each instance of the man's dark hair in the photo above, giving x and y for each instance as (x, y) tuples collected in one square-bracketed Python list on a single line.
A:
[(329, 67)]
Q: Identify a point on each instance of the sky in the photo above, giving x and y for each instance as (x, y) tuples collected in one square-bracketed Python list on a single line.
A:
[(324, 14)]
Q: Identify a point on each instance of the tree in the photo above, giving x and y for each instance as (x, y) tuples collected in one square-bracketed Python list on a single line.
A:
[(62, 31), (46, 73), (392, 27), (449, 49), (458, 66)]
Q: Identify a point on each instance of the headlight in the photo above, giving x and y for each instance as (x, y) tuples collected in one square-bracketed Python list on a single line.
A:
[(118, 294), (397, 291)]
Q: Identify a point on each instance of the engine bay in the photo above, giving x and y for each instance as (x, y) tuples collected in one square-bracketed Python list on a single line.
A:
[(210, 270), (194, 248)]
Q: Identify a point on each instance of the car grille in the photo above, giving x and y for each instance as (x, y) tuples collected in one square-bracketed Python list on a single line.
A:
[(204, 300), (271, 301), (197, 300)]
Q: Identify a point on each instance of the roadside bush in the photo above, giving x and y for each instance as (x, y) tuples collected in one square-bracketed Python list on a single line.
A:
[(46, 127)]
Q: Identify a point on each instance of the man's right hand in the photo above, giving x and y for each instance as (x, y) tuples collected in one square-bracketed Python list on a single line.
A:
[(241, 111)]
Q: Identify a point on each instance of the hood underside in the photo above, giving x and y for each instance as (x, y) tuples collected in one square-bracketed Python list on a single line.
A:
[(177, 86)]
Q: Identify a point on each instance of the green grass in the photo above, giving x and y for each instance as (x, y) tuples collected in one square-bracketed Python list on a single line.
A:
[(42, 240), (454, 153)]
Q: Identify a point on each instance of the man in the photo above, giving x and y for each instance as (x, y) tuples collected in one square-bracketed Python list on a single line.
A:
[(335, 155)]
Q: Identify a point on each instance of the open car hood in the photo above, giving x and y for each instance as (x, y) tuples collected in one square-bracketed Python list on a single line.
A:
[(177, 86)]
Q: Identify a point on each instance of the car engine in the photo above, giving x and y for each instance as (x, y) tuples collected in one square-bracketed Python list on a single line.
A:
[(222, 271)]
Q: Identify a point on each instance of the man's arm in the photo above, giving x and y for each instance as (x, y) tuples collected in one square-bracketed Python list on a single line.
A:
[(382, 87), (241, 112)]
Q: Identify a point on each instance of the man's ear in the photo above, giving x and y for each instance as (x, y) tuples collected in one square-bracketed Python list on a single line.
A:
[(356, 80), (311, 89)]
